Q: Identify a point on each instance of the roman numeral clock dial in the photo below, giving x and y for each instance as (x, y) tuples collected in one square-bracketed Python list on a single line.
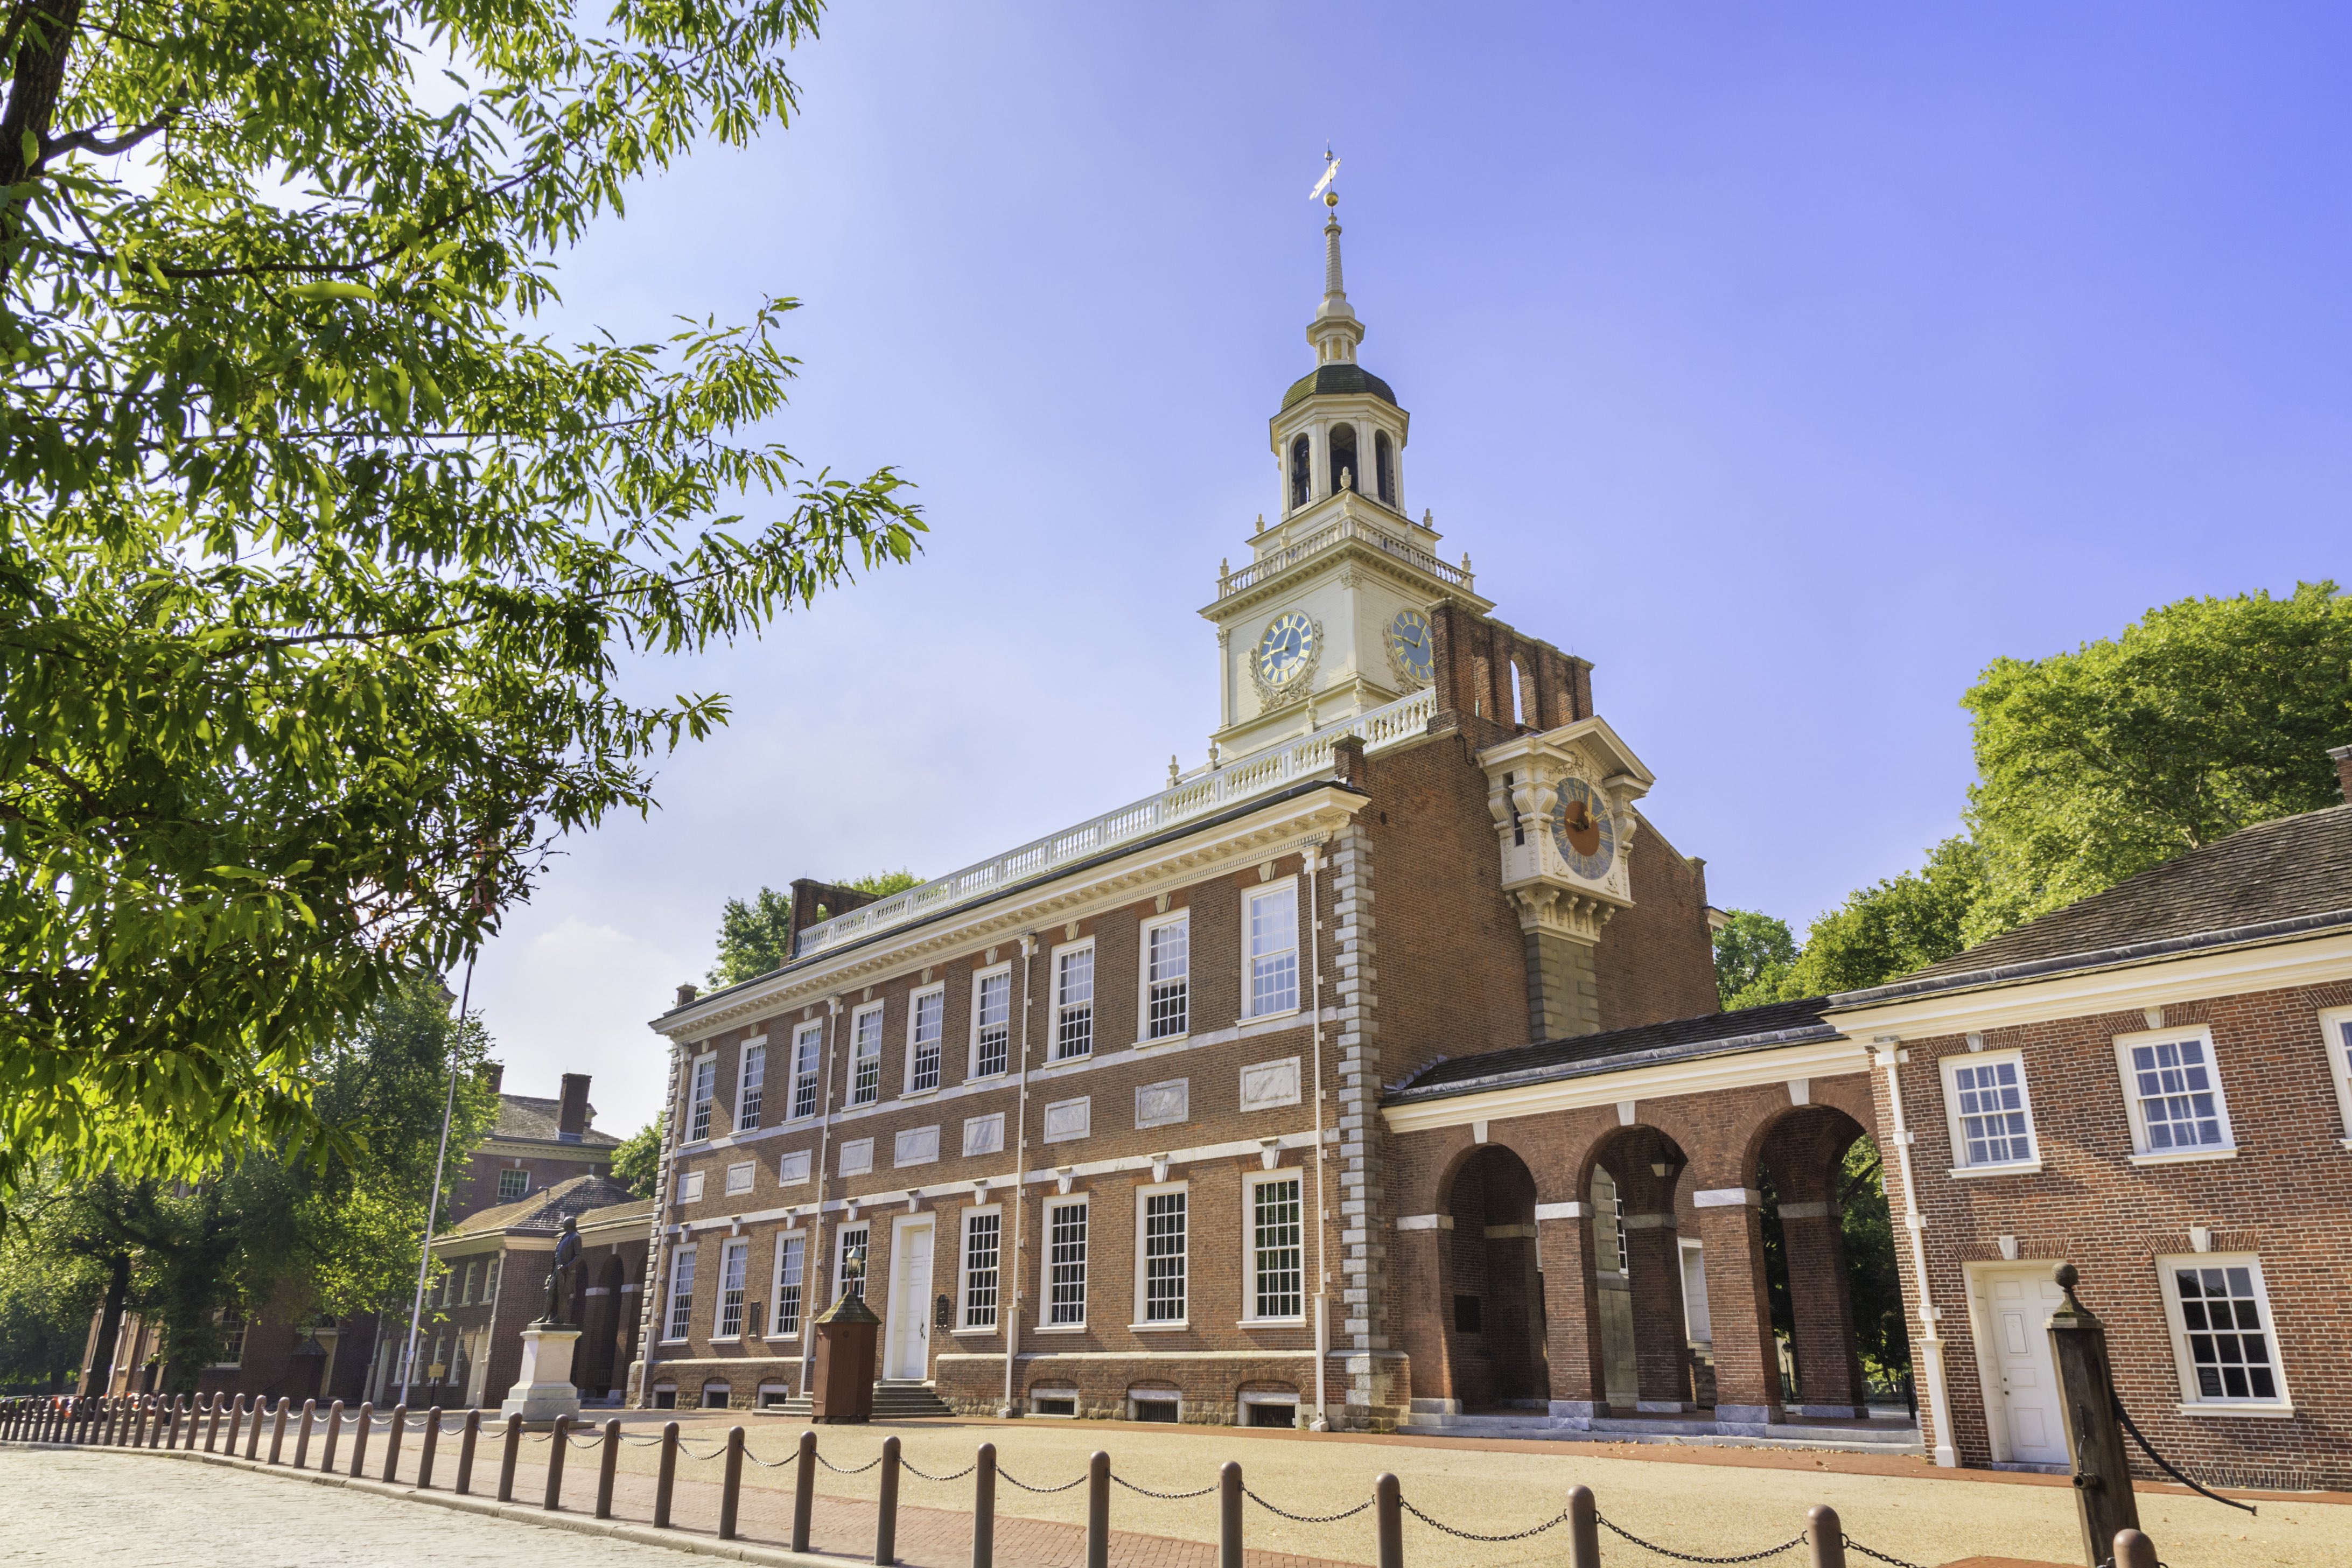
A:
[(1288, 650), (1583, 830)]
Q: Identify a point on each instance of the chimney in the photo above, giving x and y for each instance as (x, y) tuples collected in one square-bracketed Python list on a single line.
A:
[(686, 993), (2343, 755), (572, 1115), (497, 1076)]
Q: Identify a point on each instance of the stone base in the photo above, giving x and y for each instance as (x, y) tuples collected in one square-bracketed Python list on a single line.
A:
[(544, 1390), (1745, 1420)]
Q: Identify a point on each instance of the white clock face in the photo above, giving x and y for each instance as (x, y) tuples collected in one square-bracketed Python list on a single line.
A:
[(1286, 648)]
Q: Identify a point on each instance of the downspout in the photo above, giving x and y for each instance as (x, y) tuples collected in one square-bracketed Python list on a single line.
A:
[(658, 1247), (816, 1254), (1007, 1411), (1890, 1054), (1313, 867)]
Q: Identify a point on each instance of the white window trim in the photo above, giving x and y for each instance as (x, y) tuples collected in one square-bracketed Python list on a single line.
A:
[(2141, 1153), (1045, 1324), (743, 1079), (1094, 1002), (1143, 1192), (694, 1072), (678, 1255), (776, 1286), (876, 1011), (914, 1009), (718, 1299), (1144, 1039), (841, 1261), (811, 1030), (1961, 1170), (963, 1269), (2336, 1027), (1250, 1184), (1297, 949), (2192, 1403), (1011, 1025)]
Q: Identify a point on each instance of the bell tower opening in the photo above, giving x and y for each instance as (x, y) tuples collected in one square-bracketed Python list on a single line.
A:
[(1302, 473), (1346, 472), (1384, 466)]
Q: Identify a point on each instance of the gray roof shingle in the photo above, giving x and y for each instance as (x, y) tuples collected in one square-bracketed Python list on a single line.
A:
[(1709, 1034), (534, 1119)]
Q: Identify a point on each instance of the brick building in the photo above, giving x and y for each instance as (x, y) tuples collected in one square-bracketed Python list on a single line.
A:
[(494, 1285), (1373, 1074), (535, 1144)]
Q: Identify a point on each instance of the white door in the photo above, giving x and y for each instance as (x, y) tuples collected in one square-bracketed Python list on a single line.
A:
[(910, 1300), (2017, 1304)]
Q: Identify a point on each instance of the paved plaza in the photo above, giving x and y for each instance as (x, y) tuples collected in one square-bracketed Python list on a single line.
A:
[(70, 1506)]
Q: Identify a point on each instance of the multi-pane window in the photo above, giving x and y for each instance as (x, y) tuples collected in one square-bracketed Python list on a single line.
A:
[(2229, 1353), (808, 1046), (231, 1337), (1074, 1004), (1066, 1262), (1166, 977), (983, 1235), (748, 1093), (469, 1283), (1164, 1215), (991, 1023), (513, 1185), (866, 1056), (1992, 1125), (732, 1260), (698, 1115), (682, 1294), (923, 1058), (851, 1275), (2176, 1099), (1277, 1250), (792, 1260), (490, 1278), (2337, 1024), (1273, 950)]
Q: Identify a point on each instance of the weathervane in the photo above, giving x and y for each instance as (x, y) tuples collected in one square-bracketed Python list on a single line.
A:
[(1322, 187)]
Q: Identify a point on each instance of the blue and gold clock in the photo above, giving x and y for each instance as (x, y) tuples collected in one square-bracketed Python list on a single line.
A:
[(1412, 650), (1583, 830), (1287, 650)]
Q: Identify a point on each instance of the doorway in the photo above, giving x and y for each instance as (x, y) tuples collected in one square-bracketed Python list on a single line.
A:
[(908, 1348), (2012, 1308)]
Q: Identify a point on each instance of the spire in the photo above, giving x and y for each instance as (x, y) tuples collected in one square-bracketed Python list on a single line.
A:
[(1334, 332)]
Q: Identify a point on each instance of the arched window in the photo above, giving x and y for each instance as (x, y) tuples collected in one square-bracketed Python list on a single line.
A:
[(1343, 460), (1302, 473), (1385, 464), (1523, 694)]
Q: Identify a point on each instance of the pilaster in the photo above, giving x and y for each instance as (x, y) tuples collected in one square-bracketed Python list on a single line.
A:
[(1374, 1398)]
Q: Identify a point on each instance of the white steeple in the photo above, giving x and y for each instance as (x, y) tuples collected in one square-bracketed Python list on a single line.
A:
[(1334, 332)]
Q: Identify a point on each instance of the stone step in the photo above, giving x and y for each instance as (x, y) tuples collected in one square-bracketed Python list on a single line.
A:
[(1888, 1438), (894, 1400)]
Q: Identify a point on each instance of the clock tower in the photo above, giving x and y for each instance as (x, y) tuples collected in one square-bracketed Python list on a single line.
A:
[(1329, 616)]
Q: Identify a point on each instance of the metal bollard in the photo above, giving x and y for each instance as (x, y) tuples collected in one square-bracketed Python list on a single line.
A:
[(252, 1437), (666, 1481), (983, 1508), (886, 1522), (171, 1425), (731, 1491), (425, 1450), (1583, 1528), (804, 1491), (1388, 1514), (1098, 1511), (278, 1428), (2134, 1549), (212, 1427), (607, 1463), (1825, 1535), (146, 1408), (507, 1459), (1229, 1515), (466, 1452), (360, 1426), (559, 1438), (392, 1442), (302, 1433), (334, 1436)]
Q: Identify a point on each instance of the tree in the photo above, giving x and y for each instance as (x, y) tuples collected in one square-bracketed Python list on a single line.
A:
[(1752, 956), (317, 560), (2203, 717), (637, 1161), (756, 938), (1891, 928)]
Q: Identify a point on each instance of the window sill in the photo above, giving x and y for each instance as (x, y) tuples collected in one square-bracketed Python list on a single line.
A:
[(2014, 1168), (1158, 1041), (1299, 1323), (2187, 1156), (1160, 1327), (677, 1341), (2259, 1411), (1257, 1023), (726, 1339), (1059, 1329), (930, 1093), (991, 1332)]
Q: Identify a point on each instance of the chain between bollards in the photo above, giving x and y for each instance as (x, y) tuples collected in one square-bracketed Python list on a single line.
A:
[(730, 1491), (983, 1508), (666, 1482), (607, 1463)]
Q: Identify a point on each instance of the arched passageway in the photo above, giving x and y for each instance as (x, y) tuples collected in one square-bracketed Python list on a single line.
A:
[(1801, 1172), (1639, 1273), (1492, 1300)]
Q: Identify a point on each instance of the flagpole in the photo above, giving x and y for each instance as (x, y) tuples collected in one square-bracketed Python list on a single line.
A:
[(440, 1157)]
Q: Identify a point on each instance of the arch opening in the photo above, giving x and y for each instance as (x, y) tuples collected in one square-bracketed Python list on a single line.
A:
[(1346, 471), (1384, 467), (1492, 1301), (1835, 1299), (1302, 473), (1653, 1321)]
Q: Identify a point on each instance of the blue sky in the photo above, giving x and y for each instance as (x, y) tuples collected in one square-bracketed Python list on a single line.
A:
[(1788, 363)]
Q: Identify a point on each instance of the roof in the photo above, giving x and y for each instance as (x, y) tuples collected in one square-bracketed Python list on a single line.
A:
[(547, 1208), (1338, 379), (531, 1119), (2271, 882), (1611, 1050)]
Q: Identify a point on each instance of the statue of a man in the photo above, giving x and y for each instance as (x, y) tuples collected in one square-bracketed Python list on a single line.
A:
[(567, 1251)]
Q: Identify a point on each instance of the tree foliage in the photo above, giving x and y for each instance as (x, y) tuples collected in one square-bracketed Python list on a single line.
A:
[(317, 560), (1753, 952), (2203, 717), (755, 937), (637, 1161)]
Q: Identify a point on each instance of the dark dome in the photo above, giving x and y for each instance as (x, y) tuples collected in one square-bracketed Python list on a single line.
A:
[(1339, 378)]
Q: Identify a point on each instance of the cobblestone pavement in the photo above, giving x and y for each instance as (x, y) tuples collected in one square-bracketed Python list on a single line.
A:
[(1709, 1501)]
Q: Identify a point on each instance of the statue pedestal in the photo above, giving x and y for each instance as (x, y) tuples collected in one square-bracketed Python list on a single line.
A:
[(544, 1390)]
